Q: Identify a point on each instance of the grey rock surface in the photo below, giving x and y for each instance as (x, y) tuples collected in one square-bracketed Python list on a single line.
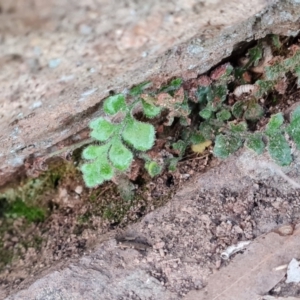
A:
[(59, 59)]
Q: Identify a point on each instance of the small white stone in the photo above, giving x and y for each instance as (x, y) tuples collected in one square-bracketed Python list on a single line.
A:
[(293, 272), (62, 193), (161, 252), (78, 190)]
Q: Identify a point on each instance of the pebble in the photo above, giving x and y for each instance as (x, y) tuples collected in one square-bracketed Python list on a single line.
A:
[(62, 193), (14, 239), (276, 204), (85, 29), (54, 63), (78, 190), (218, 264), (159, 245), (285, 230)]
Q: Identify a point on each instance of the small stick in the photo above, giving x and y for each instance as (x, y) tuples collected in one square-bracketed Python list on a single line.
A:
[(197, 157)]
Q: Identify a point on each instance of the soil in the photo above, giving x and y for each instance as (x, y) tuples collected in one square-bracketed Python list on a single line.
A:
[(209, 213), (78, 218)]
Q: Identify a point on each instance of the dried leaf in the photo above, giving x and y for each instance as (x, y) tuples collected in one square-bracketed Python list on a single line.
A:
[(164, 98), (221, 72), (281, 86), (204, 80), (179, 96), (199, 148)]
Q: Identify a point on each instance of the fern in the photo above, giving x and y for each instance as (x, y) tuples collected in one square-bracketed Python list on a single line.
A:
[(279, 149), (102, 129), (274, 124), (253, 112), (116, 144), (294, 128), (150, 110), (118, 140), (225, 145), (139, 135), (153, 168), (255, 143), (114, 104)]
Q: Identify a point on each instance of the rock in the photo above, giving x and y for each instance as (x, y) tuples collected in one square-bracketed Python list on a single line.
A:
[(185, 248), (78, 190), (48, 104)]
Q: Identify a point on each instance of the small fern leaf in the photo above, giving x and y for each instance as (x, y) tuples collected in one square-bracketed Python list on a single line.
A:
[(275, 71), (276, 41), (238, 109), (204, 94), (294, 128), (137, 90), (139, 135), (176, 83), (223, 115), (173, 163), (253, 112), (120, 156), (255, 143), (106, 171), (205, 113), (297, 72), (114, 104), (196, 138), (149, 110), (207, 130), (264, 86), (226, 145), (238, 128), (275, 122), (172, 86), (153, 168), (279, 150), (220, 93), (93, 151), (91, 175), (255, 54), (179, 147), (102, 129)]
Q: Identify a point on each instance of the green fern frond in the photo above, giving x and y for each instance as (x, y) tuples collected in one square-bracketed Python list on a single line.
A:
[(114, 104), (102, 129), (139, 135), (120, 157)]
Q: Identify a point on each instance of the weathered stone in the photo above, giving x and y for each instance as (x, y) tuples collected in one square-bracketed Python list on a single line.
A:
[(180, 235), (59, 59)]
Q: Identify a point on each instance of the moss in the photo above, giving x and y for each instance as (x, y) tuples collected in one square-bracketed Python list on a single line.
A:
[(6, 256), (28, 201), (19, 209), (28, 198)]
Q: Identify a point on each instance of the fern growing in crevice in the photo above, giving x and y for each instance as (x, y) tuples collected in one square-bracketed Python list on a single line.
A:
[(118, 140), (274, 135), (225, 117)]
